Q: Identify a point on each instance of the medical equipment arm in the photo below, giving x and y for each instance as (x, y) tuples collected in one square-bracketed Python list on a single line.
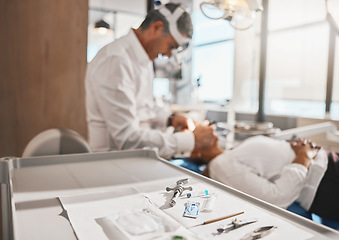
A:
[(326, 127)]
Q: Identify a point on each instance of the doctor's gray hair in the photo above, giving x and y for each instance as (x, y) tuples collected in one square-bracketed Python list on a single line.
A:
[(184, 23)]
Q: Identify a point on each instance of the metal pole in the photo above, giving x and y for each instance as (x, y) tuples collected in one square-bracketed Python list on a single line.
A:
[(114, 25), (330, 66), (263, 56), (150, 5)]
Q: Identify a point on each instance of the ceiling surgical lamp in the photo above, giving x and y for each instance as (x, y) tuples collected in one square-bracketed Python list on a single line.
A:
[(240, 13)]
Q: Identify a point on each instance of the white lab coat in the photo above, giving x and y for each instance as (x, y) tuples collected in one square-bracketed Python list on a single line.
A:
[(262, 167), (121, 111)]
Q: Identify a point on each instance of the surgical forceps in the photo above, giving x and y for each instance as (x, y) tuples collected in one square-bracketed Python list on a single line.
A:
[(235, 224)]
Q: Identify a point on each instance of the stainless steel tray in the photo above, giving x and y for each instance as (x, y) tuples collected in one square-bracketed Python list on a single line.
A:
[(30, 186)]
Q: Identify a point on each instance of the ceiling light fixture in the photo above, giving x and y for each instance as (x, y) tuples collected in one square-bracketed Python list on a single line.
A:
[(102, 27), (240, 13)]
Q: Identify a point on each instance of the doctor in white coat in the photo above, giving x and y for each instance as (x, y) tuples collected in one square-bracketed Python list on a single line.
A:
[(121, 111)]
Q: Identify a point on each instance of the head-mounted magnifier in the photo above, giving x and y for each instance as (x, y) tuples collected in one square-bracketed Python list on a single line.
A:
[(172, 19)]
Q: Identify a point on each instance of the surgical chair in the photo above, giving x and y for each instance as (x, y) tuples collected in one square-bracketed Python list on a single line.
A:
[(56, 141), (193, 164)]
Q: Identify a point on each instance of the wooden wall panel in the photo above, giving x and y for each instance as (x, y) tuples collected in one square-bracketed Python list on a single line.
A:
[(42, 69)]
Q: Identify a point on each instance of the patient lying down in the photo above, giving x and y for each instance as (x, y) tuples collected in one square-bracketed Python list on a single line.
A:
[(280, 172)]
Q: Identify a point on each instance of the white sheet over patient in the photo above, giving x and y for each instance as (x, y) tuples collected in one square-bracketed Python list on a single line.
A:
[(262, 167)]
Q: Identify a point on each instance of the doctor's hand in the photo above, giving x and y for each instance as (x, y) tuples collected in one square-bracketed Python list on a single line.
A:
[(305, 151), (181, 122), (209, 153), (204, 138)]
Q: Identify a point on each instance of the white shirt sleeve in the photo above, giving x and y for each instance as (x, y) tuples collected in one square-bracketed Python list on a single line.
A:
[(162, 114), (281, 192), (117, 104), (315, 174)]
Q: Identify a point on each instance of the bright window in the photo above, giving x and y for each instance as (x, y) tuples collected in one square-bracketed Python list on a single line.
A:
[(289, 13), (161, 88), (213, 66), (212, 58), (297, 58)]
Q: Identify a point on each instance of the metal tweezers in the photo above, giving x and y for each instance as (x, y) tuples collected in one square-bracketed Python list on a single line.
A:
[(235, 224), (259, 233)]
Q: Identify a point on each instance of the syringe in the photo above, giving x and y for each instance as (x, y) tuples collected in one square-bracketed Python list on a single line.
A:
[(198, 194)]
